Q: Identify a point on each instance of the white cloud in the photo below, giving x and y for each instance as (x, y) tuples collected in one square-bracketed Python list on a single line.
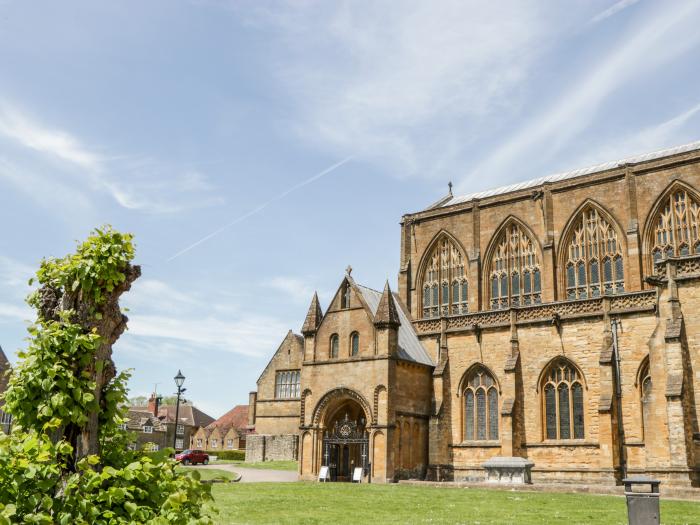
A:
[(613, 10), (167, 321), (144, 184), (15, 312), (663, 35), (397, 85), (14, 273), (298, 289)]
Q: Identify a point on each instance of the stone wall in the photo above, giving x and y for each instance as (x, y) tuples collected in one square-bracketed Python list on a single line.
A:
[(271, 448)]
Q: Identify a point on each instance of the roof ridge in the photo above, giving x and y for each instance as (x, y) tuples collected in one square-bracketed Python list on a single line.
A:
[(570, 174)]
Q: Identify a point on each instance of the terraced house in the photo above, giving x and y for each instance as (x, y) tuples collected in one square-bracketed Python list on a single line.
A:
[(554, 320)]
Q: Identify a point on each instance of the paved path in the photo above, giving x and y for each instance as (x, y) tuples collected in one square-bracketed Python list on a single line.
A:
[(249, 475)]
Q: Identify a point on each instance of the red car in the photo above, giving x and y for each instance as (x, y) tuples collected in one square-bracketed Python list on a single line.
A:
[(192, 457)]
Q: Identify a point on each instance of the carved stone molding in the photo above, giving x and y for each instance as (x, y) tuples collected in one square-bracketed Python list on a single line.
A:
[(628, 302)]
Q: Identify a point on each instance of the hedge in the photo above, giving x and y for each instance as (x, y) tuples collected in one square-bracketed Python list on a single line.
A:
[(236, 455)]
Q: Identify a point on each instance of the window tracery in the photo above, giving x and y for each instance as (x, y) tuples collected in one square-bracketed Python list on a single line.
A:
[(515, 275), (445, 287), (676, 231), (594, 265), (480, 406), (563, 401)]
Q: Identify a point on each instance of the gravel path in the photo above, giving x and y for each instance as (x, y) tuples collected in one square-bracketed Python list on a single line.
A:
[(250, 475)]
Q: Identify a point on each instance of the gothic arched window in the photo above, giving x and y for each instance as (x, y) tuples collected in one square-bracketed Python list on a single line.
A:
[(354, 343), (562, 401), (594, 265), (480, 406), (335, 346), (676, 228), (445, 285), (515, 276)]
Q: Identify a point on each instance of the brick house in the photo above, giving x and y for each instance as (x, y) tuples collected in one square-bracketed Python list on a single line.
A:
[(156, 424), (553, 320), (229, 432)]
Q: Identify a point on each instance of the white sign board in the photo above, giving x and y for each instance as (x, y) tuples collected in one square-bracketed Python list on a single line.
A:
[(323, 474), (357, 475)]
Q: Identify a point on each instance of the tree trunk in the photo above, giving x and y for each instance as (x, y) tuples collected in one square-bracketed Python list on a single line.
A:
[(111, 325)]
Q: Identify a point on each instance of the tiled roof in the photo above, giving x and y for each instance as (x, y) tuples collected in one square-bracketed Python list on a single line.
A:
[(410, 347), (138, 417), (236, 418), (693, 146), (188, 415)]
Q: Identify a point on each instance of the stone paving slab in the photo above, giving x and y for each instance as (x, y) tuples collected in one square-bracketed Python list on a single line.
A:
[(254, 475)]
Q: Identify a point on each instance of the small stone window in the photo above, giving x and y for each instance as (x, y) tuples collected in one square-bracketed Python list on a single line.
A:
[(287, 384), (335, 347), (354, 344)]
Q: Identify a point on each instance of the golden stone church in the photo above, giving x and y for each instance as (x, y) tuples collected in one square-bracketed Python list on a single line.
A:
[(555, 320)]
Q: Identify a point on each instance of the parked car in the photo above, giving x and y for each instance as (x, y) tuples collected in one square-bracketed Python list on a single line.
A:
[(192, 457)]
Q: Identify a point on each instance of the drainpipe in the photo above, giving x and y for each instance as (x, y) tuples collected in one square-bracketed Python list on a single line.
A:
[(618, 399)]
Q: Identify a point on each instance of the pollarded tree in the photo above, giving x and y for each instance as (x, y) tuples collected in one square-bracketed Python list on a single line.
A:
[(67, 461)]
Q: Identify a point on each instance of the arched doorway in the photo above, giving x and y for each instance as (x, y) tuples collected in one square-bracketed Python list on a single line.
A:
[(345, 438)]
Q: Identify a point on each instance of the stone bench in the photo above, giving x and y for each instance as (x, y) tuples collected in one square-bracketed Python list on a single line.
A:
[(508, 470)]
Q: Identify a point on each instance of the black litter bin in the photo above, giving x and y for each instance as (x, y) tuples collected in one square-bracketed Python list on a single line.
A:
[(642, 506)]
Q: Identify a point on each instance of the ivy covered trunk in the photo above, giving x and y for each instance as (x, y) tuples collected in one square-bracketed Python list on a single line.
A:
[(67, 459), (98, 314)]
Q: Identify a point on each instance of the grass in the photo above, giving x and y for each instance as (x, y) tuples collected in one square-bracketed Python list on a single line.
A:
[(210, 473), (266, 465), (320, 503)]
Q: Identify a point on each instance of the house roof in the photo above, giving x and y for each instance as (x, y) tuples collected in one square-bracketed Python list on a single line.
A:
[(138, 417), (187, 415), (458, 199), (236, 418), (410, 347)]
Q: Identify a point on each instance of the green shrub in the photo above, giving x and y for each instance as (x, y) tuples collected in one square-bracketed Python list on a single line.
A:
[(235, 455)]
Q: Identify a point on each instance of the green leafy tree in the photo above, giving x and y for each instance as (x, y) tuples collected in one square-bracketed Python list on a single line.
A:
[(67, 459)]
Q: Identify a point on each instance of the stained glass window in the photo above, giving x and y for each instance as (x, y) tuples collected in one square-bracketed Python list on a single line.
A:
[(677, 226), (563, 401), (481, 406), (445, 281), (469, 415), (593, 240), (354, 344), (514, 260)]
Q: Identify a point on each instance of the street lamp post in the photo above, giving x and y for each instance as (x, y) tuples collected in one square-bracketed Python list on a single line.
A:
[(179, 381)]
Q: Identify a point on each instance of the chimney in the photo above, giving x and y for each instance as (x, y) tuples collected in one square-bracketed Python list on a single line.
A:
[(153, 403)]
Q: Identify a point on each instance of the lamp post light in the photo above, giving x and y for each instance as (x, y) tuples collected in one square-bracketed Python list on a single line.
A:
[(179, 381)]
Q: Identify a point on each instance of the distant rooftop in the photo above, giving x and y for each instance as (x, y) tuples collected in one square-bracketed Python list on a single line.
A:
[(458, 199)]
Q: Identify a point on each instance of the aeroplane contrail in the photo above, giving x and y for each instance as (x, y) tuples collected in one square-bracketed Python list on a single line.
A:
[(261, 207)]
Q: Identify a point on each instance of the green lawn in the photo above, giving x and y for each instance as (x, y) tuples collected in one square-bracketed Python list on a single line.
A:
[(267, 465), (319, 503), (210, 473)]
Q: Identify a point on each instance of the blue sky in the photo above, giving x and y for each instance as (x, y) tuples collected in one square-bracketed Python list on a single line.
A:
[(175, 120)]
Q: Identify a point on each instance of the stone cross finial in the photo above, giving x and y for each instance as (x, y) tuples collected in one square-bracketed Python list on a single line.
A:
[(348, 270), (449, 185)]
